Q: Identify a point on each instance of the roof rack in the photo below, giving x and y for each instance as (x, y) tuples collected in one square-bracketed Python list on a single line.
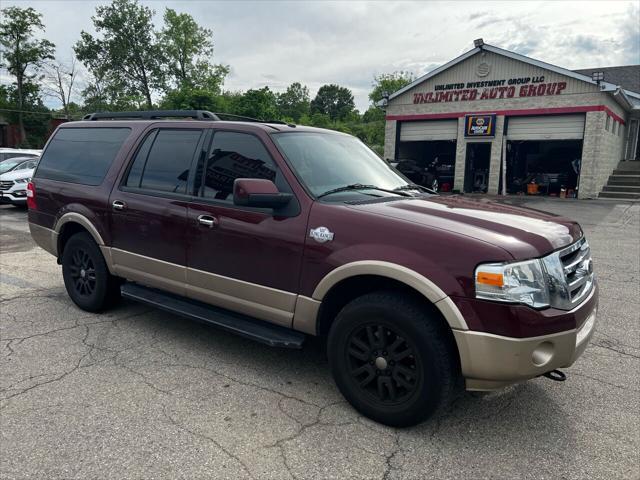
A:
[(194, 114), (153, 114)]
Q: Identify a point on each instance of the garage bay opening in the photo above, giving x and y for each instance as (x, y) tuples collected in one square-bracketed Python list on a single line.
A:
[(426, 153), (543, 155), (476, 175), (549, 167)]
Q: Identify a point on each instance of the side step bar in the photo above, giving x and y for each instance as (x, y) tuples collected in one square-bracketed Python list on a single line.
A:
[(263, 332)]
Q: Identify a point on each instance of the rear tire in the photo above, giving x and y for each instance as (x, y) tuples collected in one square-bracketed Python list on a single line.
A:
[(391, 359), (86, 276)]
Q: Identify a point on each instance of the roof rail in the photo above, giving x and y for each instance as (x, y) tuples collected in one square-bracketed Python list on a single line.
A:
[(233, 117), (153, 114), (195, 114)]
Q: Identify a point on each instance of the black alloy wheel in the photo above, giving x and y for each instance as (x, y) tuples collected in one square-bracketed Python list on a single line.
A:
[(83, 272), (392, 358), (86, 276), (383, 363)]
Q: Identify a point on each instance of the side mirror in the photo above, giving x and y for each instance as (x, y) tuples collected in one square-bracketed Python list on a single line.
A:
[(260, 193)]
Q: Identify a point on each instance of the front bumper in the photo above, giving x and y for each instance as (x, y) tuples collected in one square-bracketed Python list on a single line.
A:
[(16, 196), (489, 361)]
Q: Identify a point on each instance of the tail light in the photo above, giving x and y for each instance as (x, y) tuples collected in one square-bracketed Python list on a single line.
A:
[(31, 196)]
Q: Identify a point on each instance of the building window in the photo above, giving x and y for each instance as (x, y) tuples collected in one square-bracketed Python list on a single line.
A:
[(620, 127), (615, 126), (608, 123)]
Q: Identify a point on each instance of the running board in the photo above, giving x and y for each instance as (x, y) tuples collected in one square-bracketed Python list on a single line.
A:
[(263, 332)]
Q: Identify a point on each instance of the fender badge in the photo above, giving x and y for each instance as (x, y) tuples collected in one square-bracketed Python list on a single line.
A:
[(321, 234)]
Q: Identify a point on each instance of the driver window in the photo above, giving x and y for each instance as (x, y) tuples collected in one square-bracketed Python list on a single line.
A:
[(235, 155)]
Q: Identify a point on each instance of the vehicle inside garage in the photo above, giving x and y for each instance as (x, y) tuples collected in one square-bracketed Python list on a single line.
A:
[(426, 153), (543, 167), (543, 154)]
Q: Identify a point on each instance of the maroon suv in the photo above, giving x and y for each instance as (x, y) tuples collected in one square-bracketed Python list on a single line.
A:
[(277, 231)]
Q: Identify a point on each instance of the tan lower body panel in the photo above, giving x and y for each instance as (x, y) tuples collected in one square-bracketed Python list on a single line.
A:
[(305, 316), (264, 303), (149, 271), (45, 238), (491, 361)]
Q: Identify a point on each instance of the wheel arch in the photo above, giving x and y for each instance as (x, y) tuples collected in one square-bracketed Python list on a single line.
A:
[(349, 281), (70, 224)]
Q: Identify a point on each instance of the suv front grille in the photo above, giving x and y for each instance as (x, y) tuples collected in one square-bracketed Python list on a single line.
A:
[(6, 184), (570, 275), (578, 269)]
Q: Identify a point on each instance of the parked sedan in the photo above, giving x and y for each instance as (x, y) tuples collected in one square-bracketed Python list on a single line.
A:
[(13, 183), (8, 153)]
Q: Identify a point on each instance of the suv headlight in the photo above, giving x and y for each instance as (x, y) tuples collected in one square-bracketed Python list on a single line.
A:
[(520, 282), (23, 180)]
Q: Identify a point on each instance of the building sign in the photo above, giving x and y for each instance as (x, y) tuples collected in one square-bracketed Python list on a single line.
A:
[(480, 125), (490, 90)]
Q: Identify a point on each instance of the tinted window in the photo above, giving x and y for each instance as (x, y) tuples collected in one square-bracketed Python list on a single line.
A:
[(236, 155), (81, 155), (135, 173), (163, 161)]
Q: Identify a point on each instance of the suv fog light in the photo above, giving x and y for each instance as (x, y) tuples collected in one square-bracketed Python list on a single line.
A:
[(542, 354)]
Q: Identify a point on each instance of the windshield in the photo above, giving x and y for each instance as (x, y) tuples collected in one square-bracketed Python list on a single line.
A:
[(325, 161), (8, 165)]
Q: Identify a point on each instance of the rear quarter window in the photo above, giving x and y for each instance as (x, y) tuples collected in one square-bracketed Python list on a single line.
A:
[(81, 155)]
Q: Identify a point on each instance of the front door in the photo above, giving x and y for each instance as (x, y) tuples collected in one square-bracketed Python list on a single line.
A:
[(476, 176), (243, 259), (149, 210)]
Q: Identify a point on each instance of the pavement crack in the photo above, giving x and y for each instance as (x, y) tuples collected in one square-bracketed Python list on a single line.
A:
[(60, 377), (610, 346), (604, 382), (229, 453), (389, 458)]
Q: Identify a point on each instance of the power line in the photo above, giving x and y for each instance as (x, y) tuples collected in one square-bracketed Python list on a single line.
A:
[(40, 113)]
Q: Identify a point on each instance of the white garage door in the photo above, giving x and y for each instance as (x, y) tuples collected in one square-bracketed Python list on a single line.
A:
[(548, 127), (431, 130)]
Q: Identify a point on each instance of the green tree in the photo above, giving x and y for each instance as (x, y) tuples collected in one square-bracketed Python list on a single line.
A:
[(187, 49), (127, 57), (35, 116), (255, 103), (389, 83), (294, 102), (334, 101), (22, 54)]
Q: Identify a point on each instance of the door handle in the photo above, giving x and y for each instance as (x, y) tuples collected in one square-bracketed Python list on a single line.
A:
[(118, 205), (207, 221)]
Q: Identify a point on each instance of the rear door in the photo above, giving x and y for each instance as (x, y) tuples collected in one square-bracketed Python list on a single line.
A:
[(148, 209), (241, 258)]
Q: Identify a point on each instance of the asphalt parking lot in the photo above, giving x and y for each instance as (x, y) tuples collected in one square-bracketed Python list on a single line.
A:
[(138, 393)]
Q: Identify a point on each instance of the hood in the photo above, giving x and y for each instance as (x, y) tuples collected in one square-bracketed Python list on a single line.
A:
[(17, 174), (523, 232)]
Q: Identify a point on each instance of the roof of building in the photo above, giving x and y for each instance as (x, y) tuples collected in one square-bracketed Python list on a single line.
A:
[(627, 76), (608, 85)]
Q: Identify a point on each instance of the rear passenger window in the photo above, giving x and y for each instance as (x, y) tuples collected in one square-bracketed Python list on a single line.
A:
[(81, 155), (235, 155), (163, 161)]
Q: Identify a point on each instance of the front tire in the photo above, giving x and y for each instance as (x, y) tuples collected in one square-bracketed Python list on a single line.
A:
[(391, 359), (86, 276)]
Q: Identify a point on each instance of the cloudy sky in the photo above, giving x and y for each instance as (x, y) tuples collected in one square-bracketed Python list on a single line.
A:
[(276, 43)]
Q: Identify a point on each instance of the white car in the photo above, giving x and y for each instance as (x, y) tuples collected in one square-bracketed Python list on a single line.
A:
[(6, 153), (13, 184)]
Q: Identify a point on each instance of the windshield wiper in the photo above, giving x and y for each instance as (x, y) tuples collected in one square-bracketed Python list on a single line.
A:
[(414, 186), (359, 186)]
